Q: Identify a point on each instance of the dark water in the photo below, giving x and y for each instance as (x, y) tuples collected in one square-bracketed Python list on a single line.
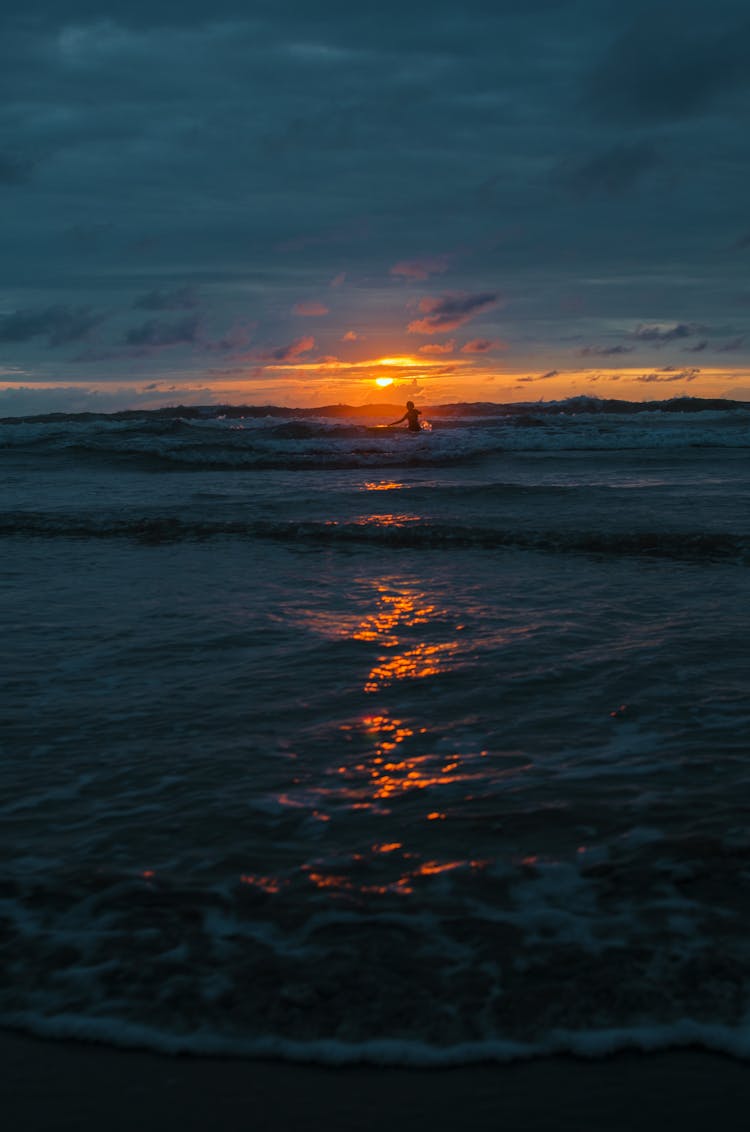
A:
[(341, 746)]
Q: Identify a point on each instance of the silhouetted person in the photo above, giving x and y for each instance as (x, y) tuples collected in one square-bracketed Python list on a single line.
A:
[(411, 415)]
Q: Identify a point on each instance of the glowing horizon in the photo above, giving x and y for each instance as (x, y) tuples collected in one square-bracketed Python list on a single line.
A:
[(429, 381)]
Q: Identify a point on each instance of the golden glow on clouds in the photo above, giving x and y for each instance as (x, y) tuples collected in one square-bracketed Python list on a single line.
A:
[(365, 367), (402, 361), (436, 380), (329, 379)]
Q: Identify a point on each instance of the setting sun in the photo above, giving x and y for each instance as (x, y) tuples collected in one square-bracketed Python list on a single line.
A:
[(383, 381)]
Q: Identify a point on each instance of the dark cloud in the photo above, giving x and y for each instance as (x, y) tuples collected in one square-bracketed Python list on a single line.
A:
[(60, 325), (540, 377), (15, 170), (354, 231), (237, 338), (482, 345), (665, 376), (660, 333), (449, 311), (87, 236), (616, 170), (604, 351), (151, 337), (671, 64), (155, 334), (732, 346), (698, 348), (181, 299)]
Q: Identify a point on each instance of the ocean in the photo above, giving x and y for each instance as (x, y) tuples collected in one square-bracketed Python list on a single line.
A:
[(343, 745)]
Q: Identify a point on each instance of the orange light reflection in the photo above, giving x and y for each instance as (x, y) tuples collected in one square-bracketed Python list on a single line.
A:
[(265, 884), (339, 884), (403, 608), (390, 772), (387, 520), (414, 664)]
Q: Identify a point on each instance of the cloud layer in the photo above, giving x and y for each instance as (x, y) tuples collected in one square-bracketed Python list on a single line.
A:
[(177, 178)]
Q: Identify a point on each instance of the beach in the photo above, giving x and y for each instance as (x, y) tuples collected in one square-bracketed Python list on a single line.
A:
[(62, 1087)]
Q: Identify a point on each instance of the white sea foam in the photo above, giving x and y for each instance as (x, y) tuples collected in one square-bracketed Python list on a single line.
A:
[(592, 1044), (258, 442)]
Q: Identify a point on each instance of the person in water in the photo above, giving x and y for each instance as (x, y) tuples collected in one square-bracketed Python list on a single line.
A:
[(411, 415)]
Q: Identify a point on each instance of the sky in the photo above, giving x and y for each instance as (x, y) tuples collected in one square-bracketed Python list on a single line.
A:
[(281, 202)]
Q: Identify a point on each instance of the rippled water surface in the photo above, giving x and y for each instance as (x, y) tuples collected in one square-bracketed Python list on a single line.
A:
[(416, 754)]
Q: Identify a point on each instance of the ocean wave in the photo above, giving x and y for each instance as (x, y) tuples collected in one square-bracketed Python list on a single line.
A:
[(256, 443), (391, 531), (491, 961)]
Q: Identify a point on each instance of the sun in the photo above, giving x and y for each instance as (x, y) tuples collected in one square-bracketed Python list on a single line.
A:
[(383, 381)]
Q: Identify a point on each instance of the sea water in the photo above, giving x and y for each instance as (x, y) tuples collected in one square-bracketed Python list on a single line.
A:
[(339, 744)]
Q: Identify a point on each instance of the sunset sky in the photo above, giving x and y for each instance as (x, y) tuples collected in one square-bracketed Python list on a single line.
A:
[(252, 201)]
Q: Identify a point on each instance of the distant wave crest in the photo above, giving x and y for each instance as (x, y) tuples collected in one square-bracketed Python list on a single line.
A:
[(404, 533)]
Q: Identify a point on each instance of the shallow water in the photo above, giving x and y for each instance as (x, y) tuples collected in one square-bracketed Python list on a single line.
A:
[(436, 759)]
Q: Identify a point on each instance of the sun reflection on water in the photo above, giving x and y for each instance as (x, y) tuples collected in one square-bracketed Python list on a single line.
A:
[(411, 872), (387, 762), (397, 608), (403, 608), (390, 771), (414, 664), (388, 519)]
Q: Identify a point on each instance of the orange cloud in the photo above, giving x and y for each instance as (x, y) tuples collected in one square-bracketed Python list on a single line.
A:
[(293, 350), (439, 348), (309, 310), (350, 336), (338, 279)]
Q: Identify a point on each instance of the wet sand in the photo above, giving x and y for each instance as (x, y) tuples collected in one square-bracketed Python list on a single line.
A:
[(70, 1087)]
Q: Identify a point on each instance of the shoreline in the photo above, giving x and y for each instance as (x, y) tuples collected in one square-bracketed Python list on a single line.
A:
[(56, 1086)]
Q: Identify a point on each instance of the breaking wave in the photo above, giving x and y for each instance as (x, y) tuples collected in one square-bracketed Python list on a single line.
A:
[(209, 441)]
